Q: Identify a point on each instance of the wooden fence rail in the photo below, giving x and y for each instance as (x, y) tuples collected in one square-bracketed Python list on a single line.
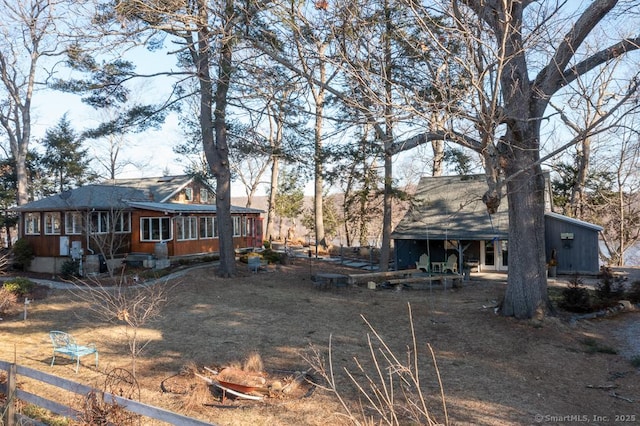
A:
[(12, 392)]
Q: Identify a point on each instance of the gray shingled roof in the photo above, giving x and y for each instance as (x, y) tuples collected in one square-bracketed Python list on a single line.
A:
[(186, 208), (99, 197), (145, 193), (159, 189), (451, 207)]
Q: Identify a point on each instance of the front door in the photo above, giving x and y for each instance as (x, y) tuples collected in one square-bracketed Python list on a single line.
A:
[(494, 255)]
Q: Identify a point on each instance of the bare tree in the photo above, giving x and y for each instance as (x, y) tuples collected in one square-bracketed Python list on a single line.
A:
[(272, 100), (618, 209), (129, 304), (311, 41), (519, 56), (27, 36), (108, 150)]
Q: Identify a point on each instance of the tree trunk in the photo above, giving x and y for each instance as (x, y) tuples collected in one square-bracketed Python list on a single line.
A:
[(22, 177), (526, 293), (385, 248), (621, 230), (215, 146), (271, 205), (438, 157), (577, 195), (223, 170), (437, 123), (318, 170)]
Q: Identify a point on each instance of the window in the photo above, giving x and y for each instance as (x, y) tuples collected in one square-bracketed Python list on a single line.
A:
[(188, 194), (250, 226), (110, 222), (72, 223), (155, 229), (32, 224), (100, 222), (204, 195), (237, 226), (122, 222), (52, 223), (208, 227), (187, 228)]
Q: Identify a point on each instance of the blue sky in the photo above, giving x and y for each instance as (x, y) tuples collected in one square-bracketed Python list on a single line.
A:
[(49, 106)]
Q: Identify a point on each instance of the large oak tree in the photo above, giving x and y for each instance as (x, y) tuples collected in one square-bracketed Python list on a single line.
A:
[(513, 43)]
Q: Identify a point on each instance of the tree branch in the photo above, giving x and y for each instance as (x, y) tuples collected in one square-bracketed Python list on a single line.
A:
[(552, 77), (426, 137)]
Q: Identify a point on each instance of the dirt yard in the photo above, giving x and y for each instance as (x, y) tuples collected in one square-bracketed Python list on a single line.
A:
[(494, 370)]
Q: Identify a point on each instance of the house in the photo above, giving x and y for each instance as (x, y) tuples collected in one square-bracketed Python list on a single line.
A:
[(449, 217), (147, 219)]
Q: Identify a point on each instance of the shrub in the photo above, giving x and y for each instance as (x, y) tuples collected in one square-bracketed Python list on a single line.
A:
[(575, 298), (22, 254), (19, 286), (634, 292), (70, 268), (8, 301), (610, 289), (271, 256)]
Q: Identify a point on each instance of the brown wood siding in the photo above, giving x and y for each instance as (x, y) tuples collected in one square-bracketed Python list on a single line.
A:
[(195, 188), (45, 245), (187, 247), (49, 245), (138, 246)]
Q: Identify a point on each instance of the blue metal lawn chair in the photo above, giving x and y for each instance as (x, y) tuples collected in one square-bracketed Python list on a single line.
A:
[(64, 343)]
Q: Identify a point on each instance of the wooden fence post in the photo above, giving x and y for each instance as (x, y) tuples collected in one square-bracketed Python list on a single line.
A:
[(10, 412)]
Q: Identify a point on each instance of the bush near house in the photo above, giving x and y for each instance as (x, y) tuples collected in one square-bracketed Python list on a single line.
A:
[(19, 286), (575, 298), (607, 294), (634, 292), (22, 254), (267, 255)]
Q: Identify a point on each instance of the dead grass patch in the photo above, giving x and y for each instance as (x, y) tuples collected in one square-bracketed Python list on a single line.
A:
[(494, 370)]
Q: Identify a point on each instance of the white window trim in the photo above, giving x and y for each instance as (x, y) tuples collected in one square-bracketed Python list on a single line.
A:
[(123, 223), (188, 194), (187, 228), (211, 227), (72, 223), (237, 226), (204, 195), (99, 228), (160, 220), (251, 226), (32, 218), (52, 223)]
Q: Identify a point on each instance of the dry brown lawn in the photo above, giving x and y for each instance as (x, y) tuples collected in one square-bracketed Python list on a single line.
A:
[(494, 370)]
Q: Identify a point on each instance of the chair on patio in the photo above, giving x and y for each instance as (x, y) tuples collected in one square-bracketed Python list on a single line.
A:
[(451, 265), (64, 343), (423, 263)]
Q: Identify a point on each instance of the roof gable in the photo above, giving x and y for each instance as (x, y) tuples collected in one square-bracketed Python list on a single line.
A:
[(451, 207), (159, 189)]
